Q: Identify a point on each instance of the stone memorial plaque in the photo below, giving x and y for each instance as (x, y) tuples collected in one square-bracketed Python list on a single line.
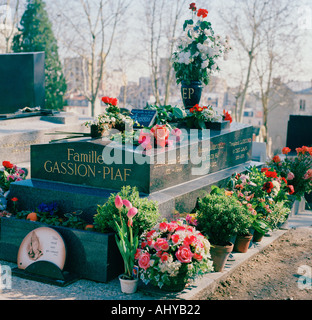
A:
[(21, 81), (145, 118), (42, 244)]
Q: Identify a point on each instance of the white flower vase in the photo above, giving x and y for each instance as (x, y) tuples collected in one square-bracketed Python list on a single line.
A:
[(128, 286)]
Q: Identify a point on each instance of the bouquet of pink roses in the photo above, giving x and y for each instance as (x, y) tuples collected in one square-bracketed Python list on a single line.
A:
[(171, 254)]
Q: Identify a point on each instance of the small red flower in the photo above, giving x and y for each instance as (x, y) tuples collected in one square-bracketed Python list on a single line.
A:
[(202, 12), (271, 174), (264, 169), (14, 199), (7, 164), (227, 116), (193, 6), (291, 189), (276, 159), (285, 150), (268, 186)]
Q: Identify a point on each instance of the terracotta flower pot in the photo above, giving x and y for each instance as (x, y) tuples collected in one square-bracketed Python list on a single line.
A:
[(257, 237), (242, 243), (219, 255)]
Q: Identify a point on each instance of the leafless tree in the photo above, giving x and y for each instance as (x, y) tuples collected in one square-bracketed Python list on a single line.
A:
[(9, 16), (92, 27)]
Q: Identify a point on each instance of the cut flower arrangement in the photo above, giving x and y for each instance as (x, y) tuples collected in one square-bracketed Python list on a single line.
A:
[(112, 117), (172, 253), (198, 49), (296, 170)]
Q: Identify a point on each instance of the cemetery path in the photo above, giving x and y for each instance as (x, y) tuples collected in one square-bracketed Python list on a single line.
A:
[(275, 273)]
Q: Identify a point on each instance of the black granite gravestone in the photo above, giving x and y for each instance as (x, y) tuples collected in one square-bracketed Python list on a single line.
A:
[(21, 81), (299, 131), (86, 163)]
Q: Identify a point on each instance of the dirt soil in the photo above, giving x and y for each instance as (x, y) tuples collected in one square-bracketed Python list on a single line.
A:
[(273, 274)]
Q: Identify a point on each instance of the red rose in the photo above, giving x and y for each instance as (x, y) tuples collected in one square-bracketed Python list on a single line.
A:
[(202, 12), (285, 150), (264, 169), (7, 164), (291, 189), (164, 257), (268, 186), (144, 260), (14, 199), (161, 244), (276, 159), (184, 254), (198, 257), (175, 238)]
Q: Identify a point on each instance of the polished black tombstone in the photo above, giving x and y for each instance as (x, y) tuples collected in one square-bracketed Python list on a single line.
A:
[(21, 81), (299, 131)]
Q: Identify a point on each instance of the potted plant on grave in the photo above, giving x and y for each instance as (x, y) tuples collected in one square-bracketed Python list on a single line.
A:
[(112, 118), (297, 170), (220, 217), (195, 58), (259, 190), (148, 214), (127, 243), (172, 253)]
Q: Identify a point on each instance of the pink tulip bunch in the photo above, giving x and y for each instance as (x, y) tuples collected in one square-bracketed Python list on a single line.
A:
[(126, 241), (132, 211)]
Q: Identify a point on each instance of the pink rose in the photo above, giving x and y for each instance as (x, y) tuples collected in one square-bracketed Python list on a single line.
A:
[(161, 244), (144, 260), (172, 226), (163, 226), (198, 257), (290, 176), (184, 254), (137, 254)]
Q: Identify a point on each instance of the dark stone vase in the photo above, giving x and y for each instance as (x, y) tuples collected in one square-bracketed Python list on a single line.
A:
[(191, 93)]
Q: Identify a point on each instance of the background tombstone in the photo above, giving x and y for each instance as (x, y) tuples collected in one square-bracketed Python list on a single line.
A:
[(21, 81), (299, 131)]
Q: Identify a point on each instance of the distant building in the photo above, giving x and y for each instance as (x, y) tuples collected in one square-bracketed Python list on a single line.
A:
[(77, 103), (293, 98)]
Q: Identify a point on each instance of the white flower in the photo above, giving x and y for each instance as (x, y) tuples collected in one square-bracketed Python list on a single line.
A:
[(205, 64)]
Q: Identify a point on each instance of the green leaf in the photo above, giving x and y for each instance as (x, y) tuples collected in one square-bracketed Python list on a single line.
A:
[(186, 22)]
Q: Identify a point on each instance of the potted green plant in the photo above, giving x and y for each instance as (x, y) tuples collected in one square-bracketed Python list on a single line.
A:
[(127, 243), (220, 217), (148, 214)]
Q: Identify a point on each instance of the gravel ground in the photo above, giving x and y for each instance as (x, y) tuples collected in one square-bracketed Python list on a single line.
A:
[(272, 274)]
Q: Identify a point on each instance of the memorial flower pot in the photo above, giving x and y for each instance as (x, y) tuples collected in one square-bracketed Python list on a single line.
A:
[(242, 243), (219, 255), (96, 131), (128, 286), (191, 93), (91, 255), (257, 236)]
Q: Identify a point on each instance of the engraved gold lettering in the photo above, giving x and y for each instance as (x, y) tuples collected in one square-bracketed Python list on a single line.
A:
[(45, 166)]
